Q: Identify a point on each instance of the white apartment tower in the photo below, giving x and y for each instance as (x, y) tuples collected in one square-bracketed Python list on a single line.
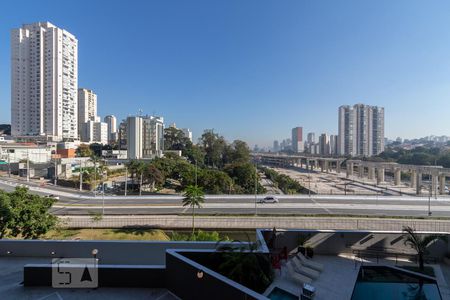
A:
[(361, 130), (135, 137), (111, 120), (44, 81), (87, 106)]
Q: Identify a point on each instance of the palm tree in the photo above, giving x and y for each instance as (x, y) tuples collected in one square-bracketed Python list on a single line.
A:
[(420, 243), (193, 197)]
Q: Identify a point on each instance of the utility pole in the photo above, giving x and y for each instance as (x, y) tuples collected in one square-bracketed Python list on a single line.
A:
[(429, 201), (81, 175), (28, 165), (56, 172), (256, 189), (126, 180)]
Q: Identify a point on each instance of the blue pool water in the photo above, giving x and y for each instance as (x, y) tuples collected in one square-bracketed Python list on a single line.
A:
[(383, 283), (280, 294)]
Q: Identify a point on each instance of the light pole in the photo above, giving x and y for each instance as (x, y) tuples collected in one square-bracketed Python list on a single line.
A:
[(256, 189), (81, 175), (429, 201), (55, 178), (103, 193), (126, 180)]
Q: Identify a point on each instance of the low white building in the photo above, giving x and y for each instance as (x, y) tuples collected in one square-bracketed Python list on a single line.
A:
[(14, 153)]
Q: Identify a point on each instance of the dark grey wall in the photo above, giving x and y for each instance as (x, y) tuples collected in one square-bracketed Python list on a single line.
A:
[(182, 280), (108, 276), (109, 252)]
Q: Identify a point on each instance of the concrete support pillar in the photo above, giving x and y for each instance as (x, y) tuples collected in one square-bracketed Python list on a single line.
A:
[(338, 167), (371, 173), (327, 166), (434, 183), (321, 163), (349, 169), (301, 163), (413, 179), (442, 184), (397, 177), (307, 165), (380, 175), (361, 171), (419, 183)]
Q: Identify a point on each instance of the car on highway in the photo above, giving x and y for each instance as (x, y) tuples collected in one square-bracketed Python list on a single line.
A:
[(53, 197), (269, 199)]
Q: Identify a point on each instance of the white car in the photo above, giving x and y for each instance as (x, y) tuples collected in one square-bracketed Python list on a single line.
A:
[(53, 197), (269, 199)]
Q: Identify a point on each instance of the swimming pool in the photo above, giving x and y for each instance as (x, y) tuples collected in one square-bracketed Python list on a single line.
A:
[(385, 283), (280, 294)]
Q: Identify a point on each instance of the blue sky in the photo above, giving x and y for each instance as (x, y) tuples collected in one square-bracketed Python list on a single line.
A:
[(254, 69)]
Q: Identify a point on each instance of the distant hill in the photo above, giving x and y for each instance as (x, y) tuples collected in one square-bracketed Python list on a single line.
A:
[(5, 129)]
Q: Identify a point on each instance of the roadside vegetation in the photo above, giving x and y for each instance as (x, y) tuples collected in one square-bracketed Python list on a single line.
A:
[(213, 164), (25, 215), (284, 182), (138, 234)]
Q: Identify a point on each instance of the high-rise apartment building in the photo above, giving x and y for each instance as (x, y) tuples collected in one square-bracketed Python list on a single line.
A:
[(44, 81), (324, 144), (135, 137), (145, 137), (276, 146), (111, 120), (297, 139), (311, 138), (94, 132), (333, 144), (361, 130), (153, 136), (87, 106), (187, 133)]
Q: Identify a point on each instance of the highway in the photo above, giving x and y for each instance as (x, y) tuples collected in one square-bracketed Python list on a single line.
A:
[(73, 203)]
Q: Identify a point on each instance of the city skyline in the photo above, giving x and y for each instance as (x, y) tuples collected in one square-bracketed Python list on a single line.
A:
[(199, 78)]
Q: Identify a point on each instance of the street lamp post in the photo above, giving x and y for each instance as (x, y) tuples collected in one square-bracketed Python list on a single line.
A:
[(256, 189), (81, 175), (429, 201), (126, 180)]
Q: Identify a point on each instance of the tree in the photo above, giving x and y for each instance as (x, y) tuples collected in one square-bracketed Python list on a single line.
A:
[(84, 151), (420, 243), (30, 214), (96, 148), (5, 213), (174, 139), (193, 197), (153, 176), (243, 174), (238, 151), (214, 146)]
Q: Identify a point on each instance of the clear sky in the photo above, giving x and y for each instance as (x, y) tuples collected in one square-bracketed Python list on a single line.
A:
[(254, 69)]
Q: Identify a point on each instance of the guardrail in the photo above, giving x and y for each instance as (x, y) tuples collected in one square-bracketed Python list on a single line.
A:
[(253, 222)]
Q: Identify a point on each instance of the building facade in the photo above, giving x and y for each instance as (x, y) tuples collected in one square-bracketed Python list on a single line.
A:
[(361, 130), (44, 81), (145, 137), (111, 120), (187, 133), (297, 139), (324, 144), (94, 132), (87, 106)]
